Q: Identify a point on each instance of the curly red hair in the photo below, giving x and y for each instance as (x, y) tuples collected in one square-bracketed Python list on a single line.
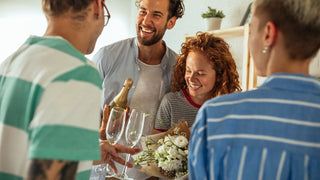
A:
[(217, 51)]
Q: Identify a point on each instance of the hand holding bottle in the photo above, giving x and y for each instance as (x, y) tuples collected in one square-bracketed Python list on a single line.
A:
[(120, 100), (109, 148), (105, 117)]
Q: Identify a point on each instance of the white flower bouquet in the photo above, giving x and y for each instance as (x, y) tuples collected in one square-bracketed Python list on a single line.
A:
[(165, 155)]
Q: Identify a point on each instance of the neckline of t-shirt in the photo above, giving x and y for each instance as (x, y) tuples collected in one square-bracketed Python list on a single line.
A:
[(189, 99), (148, 65)]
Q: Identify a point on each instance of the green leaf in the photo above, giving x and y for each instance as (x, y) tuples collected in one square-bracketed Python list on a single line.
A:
[(212, 13)]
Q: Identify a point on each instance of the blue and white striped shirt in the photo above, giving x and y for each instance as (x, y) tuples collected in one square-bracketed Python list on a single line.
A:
[(272, 132)]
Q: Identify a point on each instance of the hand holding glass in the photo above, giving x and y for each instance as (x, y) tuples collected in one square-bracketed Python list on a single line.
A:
[(114, 130), (133, 134)]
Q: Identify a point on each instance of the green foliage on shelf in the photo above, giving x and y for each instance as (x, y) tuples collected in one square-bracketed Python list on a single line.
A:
[(212, 13)]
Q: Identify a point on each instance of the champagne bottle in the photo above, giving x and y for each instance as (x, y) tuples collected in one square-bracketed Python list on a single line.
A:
[(121, 99)]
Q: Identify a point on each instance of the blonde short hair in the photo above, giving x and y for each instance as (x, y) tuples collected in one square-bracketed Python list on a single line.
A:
[(299, 20)]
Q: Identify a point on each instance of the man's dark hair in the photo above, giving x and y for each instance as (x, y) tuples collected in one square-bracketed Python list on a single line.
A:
[(58, 7), (176, 8)]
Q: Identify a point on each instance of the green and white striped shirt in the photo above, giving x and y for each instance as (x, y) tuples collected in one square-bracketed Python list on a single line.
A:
[(49, 107)]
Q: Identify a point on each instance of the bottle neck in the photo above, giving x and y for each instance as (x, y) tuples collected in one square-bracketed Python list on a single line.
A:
[(121, 98)]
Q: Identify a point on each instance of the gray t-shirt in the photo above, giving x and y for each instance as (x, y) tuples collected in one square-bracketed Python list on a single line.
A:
[(146, 98), (148, 94), (175, 107)]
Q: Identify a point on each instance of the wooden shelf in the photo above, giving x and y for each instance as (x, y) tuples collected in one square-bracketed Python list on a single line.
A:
[(224, 33), (249, 79)]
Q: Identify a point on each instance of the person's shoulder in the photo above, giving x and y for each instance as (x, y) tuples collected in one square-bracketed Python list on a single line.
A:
[(237, 96), (169, 52), (114, 50), (169, 97), (173, 98), (119, 44), (172, 95)]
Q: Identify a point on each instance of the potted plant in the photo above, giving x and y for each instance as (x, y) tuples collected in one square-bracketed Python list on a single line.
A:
[(213, 19)]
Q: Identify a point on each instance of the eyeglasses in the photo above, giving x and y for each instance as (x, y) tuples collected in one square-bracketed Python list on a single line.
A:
[(106, 14)]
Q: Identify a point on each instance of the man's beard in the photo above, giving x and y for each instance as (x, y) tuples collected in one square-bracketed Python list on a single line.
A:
[(155, 38)]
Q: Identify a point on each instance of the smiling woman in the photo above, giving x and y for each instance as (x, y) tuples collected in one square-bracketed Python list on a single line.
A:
[(205, 69)]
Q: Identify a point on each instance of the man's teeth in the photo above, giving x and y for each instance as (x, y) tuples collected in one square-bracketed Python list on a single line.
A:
[(148, 31)]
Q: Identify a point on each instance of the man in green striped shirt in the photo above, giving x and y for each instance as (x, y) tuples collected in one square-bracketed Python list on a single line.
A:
[(50, 96)]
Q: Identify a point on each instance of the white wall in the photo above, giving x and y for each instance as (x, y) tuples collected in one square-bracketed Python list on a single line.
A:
[(315, 66), (120, 24), (20, 18), (234, 11), (192, 21)]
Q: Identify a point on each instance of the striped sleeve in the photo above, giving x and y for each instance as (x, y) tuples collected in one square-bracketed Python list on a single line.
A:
[(163, 118), (197, 157), (67, 110)]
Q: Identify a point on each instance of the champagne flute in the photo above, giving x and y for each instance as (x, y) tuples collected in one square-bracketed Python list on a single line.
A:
[(133, 134), (114, 130)]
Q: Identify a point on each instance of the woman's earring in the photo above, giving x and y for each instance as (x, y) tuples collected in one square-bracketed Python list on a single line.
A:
[(265, 49)]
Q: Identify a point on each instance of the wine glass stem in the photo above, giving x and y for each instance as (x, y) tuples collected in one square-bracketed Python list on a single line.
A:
[(124, 171), (108, 173), (100, 169)]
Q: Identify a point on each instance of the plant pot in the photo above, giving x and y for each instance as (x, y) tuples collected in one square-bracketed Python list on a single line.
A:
[(212, 23)]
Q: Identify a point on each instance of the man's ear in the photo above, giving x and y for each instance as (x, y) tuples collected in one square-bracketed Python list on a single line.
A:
[(270, 34), (97, 7), (171, 22)]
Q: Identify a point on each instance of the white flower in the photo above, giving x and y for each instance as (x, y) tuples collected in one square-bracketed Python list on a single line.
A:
[(182, 152), (160, 141), (167, 138), (181, 141), (170, 164), (171, 154), (160, 150)]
